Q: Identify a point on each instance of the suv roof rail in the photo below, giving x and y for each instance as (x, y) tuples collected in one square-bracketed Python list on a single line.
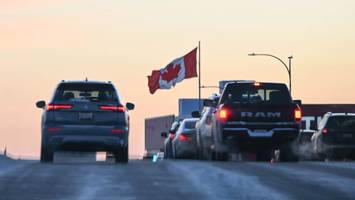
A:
[(339, 114)]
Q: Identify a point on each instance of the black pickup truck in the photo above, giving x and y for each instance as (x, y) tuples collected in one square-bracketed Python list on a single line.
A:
[(255, 117)]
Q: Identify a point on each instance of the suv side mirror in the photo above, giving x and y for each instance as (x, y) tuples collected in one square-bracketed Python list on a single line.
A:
[(130, 106), (164, 135), (196, 114), (298, 102), (209, 103), (41, 104)]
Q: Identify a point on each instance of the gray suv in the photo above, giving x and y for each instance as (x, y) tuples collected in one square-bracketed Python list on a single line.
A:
[(85, 116)]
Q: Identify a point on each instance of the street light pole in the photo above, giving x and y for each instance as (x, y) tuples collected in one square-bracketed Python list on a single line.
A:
[(288, 68), (289, 73)]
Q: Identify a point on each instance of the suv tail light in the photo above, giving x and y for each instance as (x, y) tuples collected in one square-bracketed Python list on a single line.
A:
[(117, 131), (53, 129), (183, 137), (113, 108), (223, 114), (59, 106), (325, 131), (298, 114)]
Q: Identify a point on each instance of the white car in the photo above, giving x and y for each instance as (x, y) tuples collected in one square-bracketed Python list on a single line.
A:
[(184, 143)]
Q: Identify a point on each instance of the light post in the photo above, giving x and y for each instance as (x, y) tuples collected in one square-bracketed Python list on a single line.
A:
[(288, 68)]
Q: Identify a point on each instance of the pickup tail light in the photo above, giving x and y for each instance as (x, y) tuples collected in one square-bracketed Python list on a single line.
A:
[(298, 114), (223, 114), (59, 106), (183, 137), (113, 108)]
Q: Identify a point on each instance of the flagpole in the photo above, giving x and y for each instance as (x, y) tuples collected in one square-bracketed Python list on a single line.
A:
[(199, 76)]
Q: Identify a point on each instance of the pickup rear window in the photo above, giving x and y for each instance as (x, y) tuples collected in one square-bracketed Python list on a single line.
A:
[(85, 92), (269, 93)]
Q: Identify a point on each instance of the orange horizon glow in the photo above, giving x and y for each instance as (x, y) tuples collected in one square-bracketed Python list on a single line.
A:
[(44, 42)]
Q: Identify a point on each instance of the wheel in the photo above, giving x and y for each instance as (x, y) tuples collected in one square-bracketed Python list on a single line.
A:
[(166, 152), (200, 149), (264, 156), (47, 153), (121, 156), (221, 156), (352, 155), (169, 151), (173, 151), (287, 155)]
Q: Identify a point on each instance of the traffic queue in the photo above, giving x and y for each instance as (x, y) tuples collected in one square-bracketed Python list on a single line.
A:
[(259, 120)]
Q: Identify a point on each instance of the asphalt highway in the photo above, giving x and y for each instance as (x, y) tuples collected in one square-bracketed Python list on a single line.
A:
[(175, 179)]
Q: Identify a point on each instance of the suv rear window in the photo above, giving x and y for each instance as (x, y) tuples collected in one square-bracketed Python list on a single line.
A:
[(341, 122), (85, 92), (271, 93)]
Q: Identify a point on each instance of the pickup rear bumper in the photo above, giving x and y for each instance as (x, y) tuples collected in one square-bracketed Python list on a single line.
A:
[(254, 136)]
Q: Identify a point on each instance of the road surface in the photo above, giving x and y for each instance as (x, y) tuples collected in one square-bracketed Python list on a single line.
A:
[(176, 179)]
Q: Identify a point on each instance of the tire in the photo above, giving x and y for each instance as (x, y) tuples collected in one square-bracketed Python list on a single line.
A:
[(221, 156), (287, 155), (212, 155), (166, 152), (173, 151), (121, 156), (264, 156), (169, 152), (47, 154), (200, 150), (352, 156)]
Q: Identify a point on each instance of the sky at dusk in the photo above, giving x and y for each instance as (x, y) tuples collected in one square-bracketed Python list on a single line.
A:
[(43, 42)]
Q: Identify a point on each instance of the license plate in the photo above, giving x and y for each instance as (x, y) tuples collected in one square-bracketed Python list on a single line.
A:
[(347, 135), (260, 131), (85, 116)]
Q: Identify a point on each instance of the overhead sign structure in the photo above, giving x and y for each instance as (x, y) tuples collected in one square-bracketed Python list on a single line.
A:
[(313, 113)]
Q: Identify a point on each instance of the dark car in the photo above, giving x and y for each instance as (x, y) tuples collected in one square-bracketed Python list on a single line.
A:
[(256, 118), (184, 142), (204, 129), (335, 137), (85, 116), (168, 152)]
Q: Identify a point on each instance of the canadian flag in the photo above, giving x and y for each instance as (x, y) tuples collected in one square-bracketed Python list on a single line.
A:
[(176, 71)]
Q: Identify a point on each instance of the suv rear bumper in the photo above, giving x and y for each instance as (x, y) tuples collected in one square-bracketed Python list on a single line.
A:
[(336, 148), (85, 138), (81, 143)]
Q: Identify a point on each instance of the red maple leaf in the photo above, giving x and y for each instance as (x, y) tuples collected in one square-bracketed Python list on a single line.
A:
[(171, 73)]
